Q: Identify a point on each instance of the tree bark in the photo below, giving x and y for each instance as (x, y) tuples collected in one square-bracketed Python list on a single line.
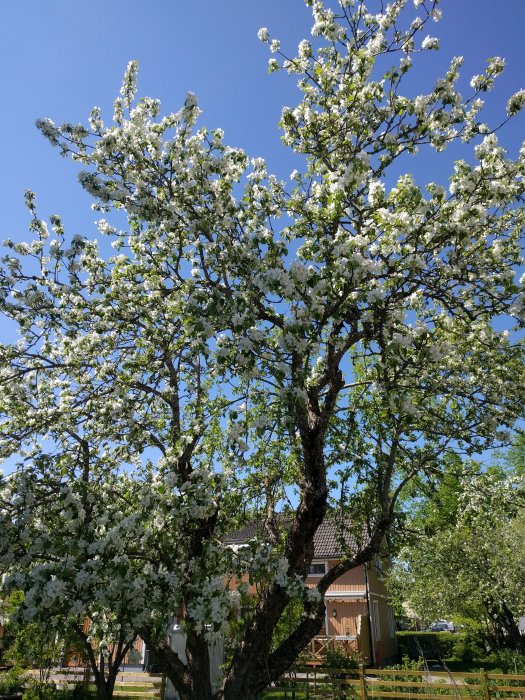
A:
[(506, 631), (191, 679), (105, 684)]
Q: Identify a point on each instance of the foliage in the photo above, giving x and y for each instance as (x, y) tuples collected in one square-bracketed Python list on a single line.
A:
[(340, 658), (287, 622), (28, 644), (12, 681), (430, 645), (509, 661), (31, 646), (250, 339), (463, 650), (514, 459), (7, 604), (344, 660), (408, 664), (471, 560), (44, 691)]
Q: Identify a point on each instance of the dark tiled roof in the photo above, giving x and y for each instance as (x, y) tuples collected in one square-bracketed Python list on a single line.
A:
[(328, 540)]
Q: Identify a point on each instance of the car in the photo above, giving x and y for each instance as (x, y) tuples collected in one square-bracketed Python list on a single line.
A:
[(442, 626)]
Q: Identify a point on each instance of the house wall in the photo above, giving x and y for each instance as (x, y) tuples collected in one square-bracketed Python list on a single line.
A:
[(137, 658), (376, 579), (347, 597), (344, 622), (386, 644), (353, 580)]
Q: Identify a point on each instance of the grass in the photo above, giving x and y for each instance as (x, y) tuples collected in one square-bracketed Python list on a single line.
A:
[(471, 666), (279, 695), (124, 691)]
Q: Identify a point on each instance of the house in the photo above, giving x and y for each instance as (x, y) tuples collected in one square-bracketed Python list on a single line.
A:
[(359, 615)]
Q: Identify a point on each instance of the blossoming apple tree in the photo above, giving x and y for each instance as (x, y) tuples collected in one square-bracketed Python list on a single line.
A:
[(254, 345)]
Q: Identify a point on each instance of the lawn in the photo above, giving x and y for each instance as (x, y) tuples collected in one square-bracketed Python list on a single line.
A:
[(280, 695), (472, 666)]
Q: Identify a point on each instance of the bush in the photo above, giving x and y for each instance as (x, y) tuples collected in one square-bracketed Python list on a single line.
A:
[(431, 645), (338, 658), (44, 691), (11, 681), (407, 664), (509, 661), (463, 650)]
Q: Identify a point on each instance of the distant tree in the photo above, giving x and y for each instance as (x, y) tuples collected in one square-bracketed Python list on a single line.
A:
[(514, 458), (251, 339), (58, 631), (469, 558)]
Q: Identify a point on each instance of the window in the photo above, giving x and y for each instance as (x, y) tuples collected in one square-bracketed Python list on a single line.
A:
[(318, 569), (391, 621), (376, 625)]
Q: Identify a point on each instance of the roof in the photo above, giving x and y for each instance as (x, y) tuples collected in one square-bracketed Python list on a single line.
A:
[(327, 540)]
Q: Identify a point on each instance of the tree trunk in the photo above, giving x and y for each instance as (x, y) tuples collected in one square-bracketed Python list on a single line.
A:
[(105, 685), (198, 663), (191, 679), (250, 671), (248, 679), (105, 682), (506, 631), (254, 666)]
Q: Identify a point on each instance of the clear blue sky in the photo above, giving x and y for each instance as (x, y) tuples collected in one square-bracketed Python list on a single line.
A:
[(58, 58)]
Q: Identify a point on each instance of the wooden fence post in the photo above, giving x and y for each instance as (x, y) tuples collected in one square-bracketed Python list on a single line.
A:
[(87, 677), (484, 684), (307, 683), (362, 682), (162, 691)]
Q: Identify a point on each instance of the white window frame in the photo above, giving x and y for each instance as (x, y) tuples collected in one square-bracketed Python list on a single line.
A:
[(391, 621), (317, 563), (376, 621)]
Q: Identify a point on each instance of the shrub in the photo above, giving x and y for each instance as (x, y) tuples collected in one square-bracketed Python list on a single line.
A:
[(43, 691), (407, 664), (431, 645), (463, 650), (509, 661), (11, 681), (338, 658)]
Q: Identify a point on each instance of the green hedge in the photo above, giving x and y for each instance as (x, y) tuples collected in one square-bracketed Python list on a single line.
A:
[(431, 645)]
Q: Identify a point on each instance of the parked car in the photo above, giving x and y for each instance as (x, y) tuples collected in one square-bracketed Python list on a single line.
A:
[(442, 626)]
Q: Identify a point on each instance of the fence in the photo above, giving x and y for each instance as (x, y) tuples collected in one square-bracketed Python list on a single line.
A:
[(136, 686), (371, 684)]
